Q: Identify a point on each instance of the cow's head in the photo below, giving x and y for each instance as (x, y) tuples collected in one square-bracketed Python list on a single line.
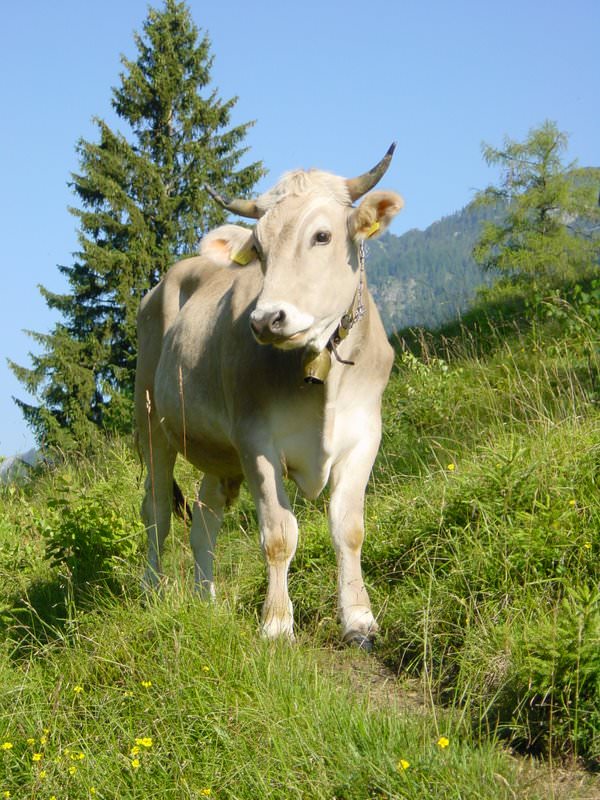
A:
[(307, 237)]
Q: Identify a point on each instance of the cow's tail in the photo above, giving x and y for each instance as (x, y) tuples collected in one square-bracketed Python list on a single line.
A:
[(180, 504)]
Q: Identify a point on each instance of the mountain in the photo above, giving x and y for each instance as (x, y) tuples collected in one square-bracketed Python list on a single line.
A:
[(17, 468), (428, 277)]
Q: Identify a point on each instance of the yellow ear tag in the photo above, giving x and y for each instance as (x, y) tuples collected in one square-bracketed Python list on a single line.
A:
[(372, 230), (244, 257)]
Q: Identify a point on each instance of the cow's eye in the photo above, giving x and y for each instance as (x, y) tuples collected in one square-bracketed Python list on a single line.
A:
[(322, 237)]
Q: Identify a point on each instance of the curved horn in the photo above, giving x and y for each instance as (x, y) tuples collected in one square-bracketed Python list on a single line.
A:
[(245, 208), (361, 185)]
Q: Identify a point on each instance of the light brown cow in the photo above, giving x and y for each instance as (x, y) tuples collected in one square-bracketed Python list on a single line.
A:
[(263, 357)]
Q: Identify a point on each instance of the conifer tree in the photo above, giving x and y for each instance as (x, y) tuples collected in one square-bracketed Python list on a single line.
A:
[(549, 232), (142, 206)]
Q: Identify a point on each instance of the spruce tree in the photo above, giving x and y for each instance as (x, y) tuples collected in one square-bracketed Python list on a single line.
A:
[(549, 231), (142, 206)]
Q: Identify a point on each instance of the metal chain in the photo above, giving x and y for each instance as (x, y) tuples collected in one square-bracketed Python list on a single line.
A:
[(360, 308), (355, 313)]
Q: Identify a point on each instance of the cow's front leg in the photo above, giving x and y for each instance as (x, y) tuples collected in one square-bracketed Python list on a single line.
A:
[(278, 536), (349, 478)]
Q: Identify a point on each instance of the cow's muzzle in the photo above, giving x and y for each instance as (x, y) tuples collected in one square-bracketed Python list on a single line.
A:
[(267, 327), (281, 325)]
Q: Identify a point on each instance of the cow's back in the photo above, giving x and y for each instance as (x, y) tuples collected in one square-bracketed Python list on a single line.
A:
[(185, 326)]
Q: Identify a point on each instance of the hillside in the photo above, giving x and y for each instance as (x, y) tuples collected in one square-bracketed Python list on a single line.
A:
[(483, 531), (428, 277)]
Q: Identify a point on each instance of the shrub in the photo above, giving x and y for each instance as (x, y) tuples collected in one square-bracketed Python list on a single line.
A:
[(550, 697), (90, 527)]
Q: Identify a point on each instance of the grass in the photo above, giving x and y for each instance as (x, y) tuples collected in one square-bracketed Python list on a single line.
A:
[(181, 700), (483, 520)]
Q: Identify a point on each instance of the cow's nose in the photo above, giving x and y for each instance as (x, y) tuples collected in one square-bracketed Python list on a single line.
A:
[(269, 322)]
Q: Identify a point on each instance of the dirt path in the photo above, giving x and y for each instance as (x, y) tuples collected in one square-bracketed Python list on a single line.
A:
[(385, 690)]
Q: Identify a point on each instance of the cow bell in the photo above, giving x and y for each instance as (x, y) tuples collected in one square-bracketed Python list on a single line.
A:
[(316, 366)]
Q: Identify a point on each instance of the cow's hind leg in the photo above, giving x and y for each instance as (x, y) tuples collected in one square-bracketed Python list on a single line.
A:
[(346, 521), (215, 493), (157, 503), (279, 537)]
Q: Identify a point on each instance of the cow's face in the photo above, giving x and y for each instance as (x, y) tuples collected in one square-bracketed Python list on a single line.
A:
[(307, 246), (307, 238)]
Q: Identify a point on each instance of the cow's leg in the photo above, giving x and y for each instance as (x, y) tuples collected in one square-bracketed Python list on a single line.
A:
[(215, 493), (157, 502), (349, 478), (278, 536)]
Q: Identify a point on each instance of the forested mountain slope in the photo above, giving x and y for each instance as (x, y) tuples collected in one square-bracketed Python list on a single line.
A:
[(428, 277)]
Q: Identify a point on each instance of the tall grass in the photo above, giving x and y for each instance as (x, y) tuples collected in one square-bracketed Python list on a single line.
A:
[(483, 520), (182, 700), (488, 530)]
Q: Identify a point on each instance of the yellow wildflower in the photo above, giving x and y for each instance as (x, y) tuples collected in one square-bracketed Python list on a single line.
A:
[(146, 741), (72, 770), (77, 756), (587, 545), (205, 792), (451, 467), (37, 756), (78, 689), (6, 746), (42, 773), (43, 740), (135, 763), (443, 742), (402, 765), (30, 741), (146, 684), (6, 794), (206, 668), (135, 751)]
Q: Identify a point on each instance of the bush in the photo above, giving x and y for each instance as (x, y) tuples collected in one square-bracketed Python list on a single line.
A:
[(549, 697), (89, 524)]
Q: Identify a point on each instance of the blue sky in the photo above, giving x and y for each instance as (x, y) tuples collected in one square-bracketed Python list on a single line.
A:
[(330, 85)]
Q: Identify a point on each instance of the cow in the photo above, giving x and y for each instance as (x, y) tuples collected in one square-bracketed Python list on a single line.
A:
[(264, 357)]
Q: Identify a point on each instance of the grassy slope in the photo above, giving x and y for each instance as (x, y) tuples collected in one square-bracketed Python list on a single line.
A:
[(481, 557), (224, 712)]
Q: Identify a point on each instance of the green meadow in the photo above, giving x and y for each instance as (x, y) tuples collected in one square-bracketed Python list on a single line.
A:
[(481, 558)]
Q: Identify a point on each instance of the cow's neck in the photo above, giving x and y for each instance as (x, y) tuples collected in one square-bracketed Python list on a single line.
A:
[(317, 365)]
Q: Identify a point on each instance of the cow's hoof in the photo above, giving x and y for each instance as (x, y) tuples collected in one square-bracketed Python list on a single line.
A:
[(278, 627), (365, 643)]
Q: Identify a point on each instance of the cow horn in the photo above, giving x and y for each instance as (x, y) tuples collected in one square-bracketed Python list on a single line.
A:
[(244, 208), (361, 185)]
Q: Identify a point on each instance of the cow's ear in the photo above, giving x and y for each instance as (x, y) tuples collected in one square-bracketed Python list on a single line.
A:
[(229, 245), (374, 214)]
